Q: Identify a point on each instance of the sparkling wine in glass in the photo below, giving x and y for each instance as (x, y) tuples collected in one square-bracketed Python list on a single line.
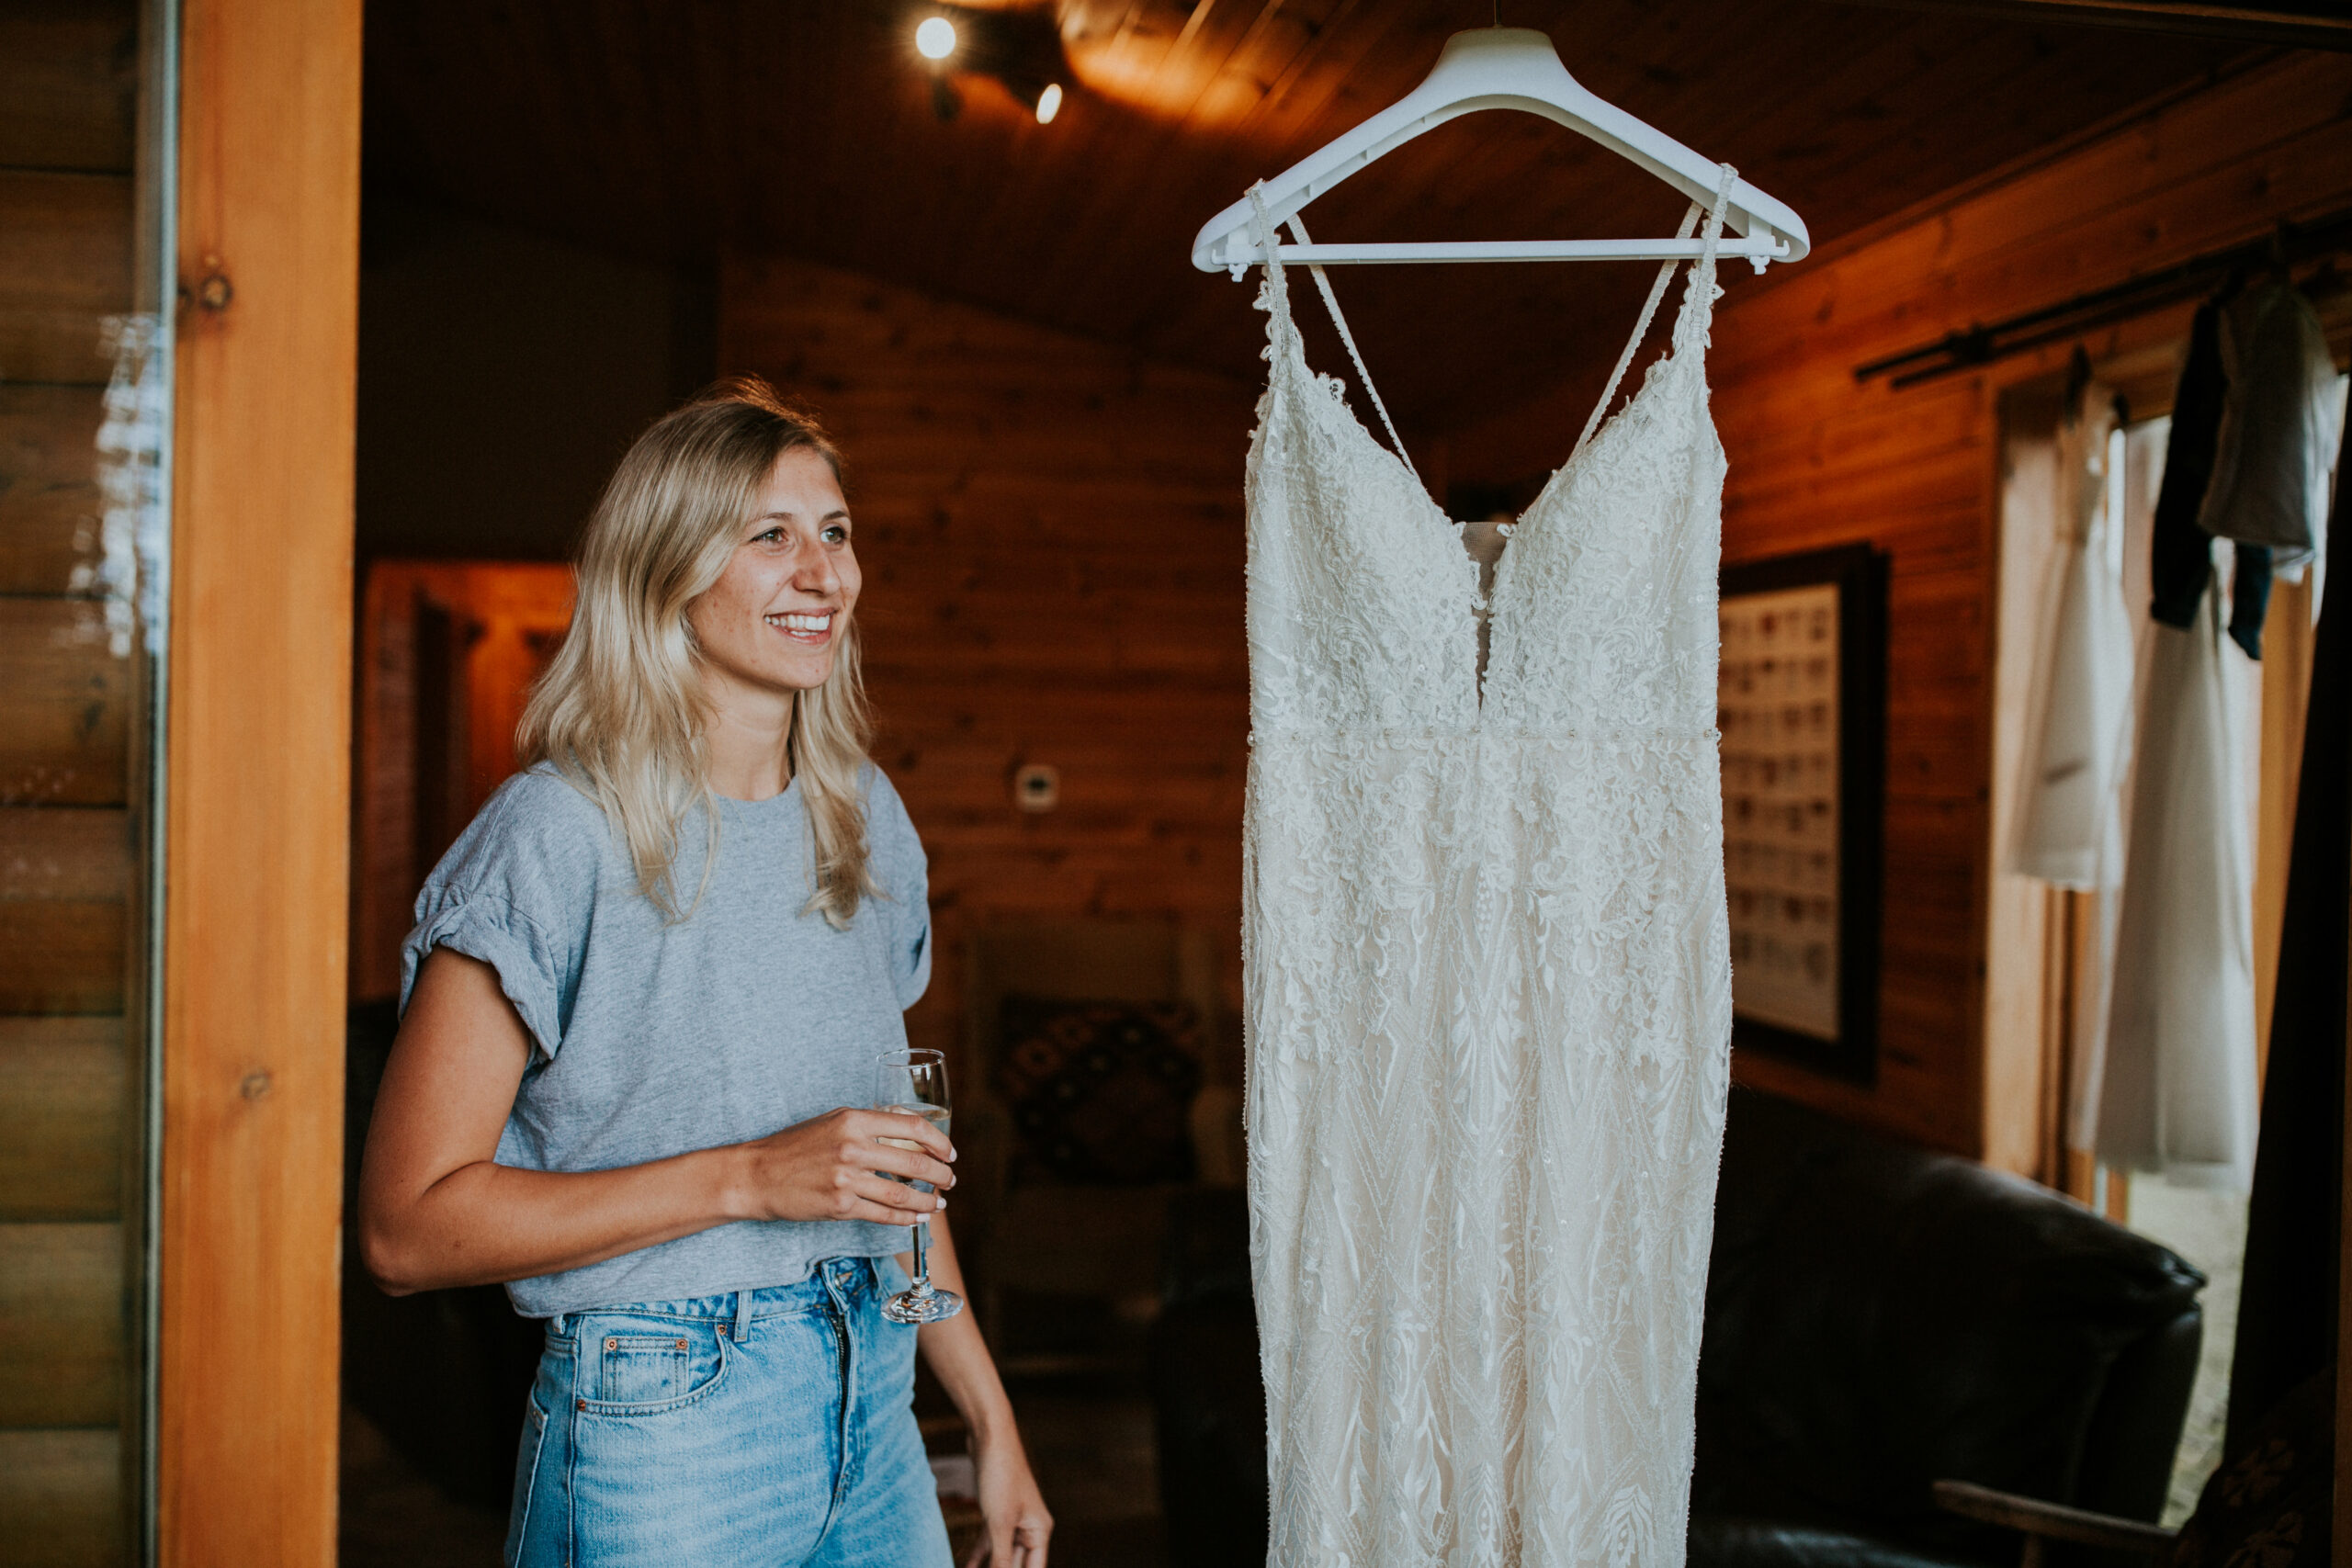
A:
[(914, 1083)]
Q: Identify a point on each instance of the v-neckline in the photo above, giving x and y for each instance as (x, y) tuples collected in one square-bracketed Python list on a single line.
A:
[(1489, 601), (1555, 484), (1277, 297)]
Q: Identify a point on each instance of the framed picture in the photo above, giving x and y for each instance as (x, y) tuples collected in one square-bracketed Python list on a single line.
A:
[(1801, 706)]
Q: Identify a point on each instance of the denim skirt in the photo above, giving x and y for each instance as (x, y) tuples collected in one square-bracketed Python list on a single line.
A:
[(769, 1428)]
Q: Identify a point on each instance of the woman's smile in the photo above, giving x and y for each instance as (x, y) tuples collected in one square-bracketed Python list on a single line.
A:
[(811, 628)]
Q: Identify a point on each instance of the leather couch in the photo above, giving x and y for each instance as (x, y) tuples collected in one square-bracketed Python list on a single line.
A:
[(1878, 1318)]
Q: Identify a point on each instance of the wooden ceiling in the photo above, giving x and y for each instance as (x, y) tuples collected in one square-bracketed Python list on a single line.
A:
[(675, 127)]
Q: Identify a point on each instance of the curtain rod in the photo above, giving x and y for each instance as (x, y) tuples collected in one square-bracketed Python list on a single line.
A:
[(1979, 345)]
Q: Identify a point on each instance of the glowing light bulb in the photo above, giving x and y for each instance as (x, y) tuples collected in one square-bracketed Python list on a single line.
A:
[(1049, 103), (935, 38)]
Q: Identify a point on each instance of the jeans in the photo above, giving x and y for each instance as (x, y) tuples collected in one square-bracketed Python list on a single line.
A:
[(767, 1428)]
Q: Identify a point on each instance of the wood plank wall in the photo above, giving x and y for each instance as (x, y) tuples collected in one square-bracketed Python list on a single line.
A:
[(257, 801), (68, 109), (1050, 529), (1817, 459)]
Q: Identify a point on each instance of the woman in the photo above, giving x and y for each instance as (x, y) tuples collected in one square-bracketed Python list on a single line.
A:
[(643, 1004)]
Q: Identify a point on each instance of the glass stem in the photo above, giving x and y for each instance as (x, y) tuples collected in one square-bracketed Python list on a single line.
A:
[(922, 1257)]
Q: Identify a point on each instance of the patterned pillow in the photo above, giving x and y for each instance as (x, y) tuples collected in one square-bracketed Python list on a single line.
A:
[(1100, 1091)]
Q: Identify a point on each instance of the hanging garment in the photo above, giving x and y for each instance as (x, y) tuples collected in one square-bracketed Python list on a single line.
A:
[(2277, 446), (2071, 829), (2177, 1094), (2181, 562), (2184, 556), (1487, 977)]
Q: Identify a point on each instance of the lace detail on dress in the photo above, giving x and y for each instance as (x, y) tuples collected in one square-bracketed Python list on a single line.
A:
[(1488, 984)]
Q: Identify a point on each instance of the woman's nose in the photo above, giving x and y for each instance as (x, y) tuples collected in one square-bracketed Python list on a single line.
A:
[(818, 576)]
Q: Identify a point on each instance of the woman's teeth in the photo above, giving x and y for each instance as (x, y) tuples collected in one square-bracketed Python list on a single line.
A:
[(815, 625)]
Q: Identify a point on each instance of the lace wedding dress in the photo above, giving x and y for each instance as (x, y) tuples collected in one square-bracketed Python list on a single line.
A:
[(1488, 983)]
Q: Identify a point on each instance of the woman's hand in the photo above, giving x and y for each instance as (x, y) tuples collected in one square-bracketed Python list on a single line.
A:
[(824, 1169), (1019, 1525)]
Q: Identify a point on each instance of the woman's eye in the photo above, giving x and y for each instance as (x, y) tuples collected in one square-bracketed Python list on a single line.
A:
[(768, 537), (837, 534)]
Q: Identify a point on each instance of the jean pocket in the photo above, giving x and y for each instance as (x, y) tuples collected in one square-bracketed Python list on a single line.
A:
[(527, 1475), (641, 1370)]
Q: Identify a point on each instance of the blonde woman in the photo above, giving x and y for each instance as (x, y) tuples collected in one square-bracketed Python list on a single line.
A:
[(642, 1006)]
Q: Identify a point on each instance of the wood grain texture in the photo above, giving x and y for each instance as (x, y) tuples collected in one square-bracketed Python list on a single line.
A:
[(64, 875), (257, 764), (59, 955), (69, 85), (64, 1089), (62, 1325), (64, 708), (69, 76), (1817, 459), (60, 1492), (64, 266), (1050, 529), (49, 488)]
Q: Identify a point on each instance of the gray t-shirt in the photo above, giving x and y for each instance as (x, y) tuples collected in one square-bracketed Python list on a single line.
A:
[(654, 1039)]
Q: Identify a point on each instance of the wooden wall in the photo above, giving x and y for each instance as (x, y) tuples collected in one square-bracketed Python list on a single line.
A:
[(258, 789), (1050, 529), (69, 1241), (1818, 459)]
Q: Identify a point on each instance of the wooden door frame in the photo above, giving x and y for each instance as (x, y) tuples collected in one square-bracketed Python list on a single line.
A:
[(256, 783)]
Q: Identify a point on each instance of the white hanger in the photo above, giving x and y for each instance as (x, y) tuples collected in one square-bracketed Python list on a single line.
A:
[(1504, 68)]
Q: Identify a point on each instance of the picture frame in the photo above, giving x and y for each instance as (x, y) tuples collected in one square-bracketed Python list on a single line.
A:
[(1802, 711)]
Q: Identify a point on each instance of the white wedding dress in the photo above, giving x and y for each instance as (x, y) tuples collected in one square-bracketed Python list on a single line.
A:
[(1489, 984)]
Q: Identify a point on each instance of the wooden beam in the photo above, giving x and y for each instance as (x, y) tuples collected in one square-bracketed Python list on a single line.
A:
[(2252, 24), (256, 759)]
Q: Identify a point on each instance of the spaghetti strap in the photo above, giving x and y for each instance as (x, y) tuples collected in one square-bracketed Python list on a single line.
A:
[(1700, 293), (1266, 240), (1273, 290), (1703, 266)]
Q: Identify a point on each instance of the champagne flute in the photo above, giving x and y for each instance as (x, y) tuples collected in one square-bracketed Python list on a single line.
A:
[(914, 1083)]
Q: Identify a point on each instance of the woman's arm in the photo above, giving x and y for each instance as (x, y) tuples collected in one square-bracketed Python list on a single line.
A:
[(436, 1210), (1019, 1525)]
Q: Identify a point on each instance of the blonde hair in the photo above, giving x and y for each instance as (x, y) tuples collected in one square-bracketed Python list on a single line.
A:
[(621, 708)]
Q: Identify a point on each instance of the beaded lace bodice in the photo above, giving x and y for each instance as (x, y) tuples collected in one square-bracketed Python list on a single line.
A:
[(1487, 981)]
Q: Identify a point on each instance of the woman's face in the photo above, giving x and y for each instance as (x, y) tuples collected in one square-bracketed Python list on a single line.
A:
[(769, 627)]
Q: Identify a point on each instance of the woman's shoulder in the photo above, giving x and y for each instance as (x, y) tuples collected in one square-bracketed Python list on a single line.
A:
[(544, 791), (538, 831), (878, 789), (891, 833), (885, 811)]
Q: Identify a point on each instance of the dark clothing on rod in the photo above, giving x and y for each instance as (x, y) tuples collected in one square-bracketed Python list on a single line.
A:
[(2181, 552)]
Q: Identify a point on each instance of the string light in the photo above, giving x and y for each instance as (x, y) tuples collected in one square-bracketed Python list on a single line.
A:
[(935, 38), (1049, 103)]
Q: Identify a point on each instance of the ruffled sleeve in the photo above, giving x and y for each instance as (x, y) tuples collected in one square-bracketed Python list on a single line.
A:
[(517, 891), (485, 925), (903, 873)]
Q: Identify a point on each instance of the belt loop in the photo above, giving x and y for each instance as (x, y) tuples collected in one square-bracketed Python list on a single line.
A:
[(742, 1316), (557, 1325)]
